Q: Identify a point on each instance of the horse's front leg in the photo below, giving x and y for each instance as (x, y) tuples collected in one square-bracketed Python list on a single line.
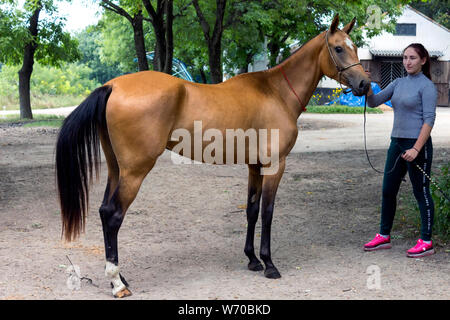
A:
[(269, 190), (253, 201)]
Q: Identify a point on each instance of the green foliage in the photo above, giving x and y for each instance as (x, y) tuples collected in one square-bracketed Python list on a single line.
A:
[(13, 34), (54, 45), (90, 41), (336, 108), (437, 10), (72, 80), (248, 25), (117, 42), (189, 44), (441, 204)]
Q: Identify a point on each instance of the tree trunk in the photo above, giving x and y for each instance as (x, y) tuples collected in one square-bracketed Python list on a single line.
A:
[(139, 42), (274, 50), (27, 66), (203, 75), (215, 62), (159, 60), (163, 29), (169, 36), (213, 40)]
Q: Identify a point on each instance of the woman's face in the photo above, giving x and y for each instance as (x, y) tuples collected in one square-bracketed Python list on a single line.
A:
[(412, 61)]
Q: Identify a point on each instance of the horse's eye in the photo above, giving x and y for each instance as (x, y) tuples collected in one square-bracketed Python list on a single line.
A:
[(338, 49)]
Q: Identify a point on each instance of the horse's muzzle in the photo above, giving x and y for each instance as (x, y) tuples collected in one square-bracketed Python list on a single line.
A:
[(362, 88)]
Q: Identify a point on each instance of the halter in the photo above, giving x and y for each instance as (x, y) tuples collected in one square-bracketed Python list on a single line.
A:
[(338, 68)]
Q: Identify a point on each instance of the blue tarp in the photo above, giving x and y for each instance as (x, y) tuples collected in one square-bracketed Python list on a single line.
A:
[(353, 101)]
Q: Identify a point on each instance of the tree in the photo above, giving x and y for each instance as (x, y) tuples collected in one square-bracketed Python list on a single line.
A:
[(213, 37), (243, 39), (434, 9), (132, 11), (162, 19), (284, 21), (116, 42), (246, 25), (25, 37), (90, 48)]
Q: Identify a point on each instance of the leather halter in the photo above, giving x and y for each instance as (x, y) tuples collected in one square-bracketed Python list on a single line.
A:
[(338, 68)]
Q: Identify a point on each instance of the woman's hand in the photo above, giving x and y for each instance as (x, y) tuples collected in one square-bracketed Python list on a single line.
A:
[(410, 154)]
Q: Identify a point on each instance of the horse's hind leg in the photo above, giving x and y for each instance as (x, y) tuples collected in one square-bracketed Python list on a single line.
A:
[(253, 200), (111, 216), (112, 213)]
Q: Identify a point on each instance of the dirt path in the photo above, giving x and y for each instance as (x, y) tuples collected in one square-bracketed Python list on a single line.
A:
[(183, 237)]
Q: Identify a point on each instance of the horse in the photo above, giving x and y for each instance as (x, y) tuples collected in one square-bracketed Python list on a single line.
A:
[(133, 118)]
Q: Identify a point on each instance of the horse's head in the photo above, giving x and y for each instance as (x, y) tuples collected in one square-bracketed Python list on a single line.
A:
[(339, 58)]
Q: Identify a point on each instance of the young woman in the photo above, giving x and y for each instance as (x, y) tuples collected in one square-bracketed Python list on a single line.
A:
[(414, 100)]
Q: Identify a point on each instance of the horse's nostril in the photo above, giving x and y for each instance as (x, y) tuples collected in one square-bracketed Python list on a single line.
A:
[(362, 84)]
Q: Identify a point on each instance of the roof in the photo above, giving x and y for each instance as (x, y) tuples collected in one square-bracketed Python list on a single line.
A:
[(399, 53), (428, 18)]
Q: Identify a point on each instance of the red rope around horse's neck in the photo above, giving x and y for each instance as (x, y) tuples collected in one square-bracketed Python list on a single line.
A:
[(292, 88)]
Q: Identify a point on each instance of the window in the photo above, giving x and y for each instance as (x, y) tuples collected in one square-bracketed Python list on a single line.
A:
[(391, 70), (405, 29)]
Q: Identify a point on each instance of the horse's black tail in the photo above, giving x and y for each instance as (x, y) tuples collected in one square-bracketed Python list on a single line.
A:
[(77, 154)]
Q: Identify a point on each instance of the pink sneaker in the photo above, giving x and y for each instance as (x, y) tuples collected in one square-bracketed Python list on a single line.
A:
[(421, 249), (379, 242)]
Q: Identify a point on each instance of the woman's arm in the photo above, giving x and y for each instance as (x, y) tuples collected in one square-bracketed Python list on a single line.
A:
[(424, 134), (374, 100)]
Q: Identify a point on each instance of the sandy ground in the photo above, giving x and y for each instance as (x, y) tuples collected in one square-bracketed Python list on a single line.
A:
[(184, 235)]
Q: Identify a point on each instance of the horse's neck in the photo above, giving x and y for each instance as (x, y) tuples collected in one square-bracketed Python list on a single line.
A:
[(303, 72)]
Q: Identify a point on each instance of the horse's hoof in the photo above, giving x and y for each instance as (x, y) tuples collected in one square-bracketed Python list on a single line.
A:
[(123, 293), (272, 273), (255, 266)]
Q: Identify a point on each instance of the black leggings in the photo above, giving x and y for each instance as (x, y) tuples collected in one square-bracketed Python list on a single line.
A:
[(420, 184)]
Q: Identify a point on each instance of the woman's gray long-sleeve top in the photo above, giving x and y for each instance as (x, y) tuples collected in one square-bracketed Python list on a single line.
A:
[(414, 99)]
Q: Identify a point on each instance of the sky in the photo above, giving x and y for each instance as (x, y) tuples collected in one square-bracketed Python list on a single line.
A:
[(79, 14)]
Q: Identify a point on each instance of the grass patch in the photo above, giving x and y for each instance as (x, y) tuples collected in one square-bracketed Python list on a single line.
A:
[(44, 123), (42, 101), (39, 120), (337, 108)]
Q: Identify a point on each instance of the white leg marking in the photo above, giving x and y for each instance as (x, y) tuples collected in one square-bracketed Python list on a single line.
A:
[(112, 272)]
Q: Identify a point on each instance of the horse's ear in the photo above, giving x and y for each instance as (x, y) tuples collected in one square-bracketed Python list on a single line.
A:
[(334, 24), (349, 26)]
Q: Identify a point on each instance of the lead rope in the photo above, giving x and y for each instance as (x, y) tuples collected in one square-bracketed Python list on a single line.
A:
[(396, 160), (365, 144)]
